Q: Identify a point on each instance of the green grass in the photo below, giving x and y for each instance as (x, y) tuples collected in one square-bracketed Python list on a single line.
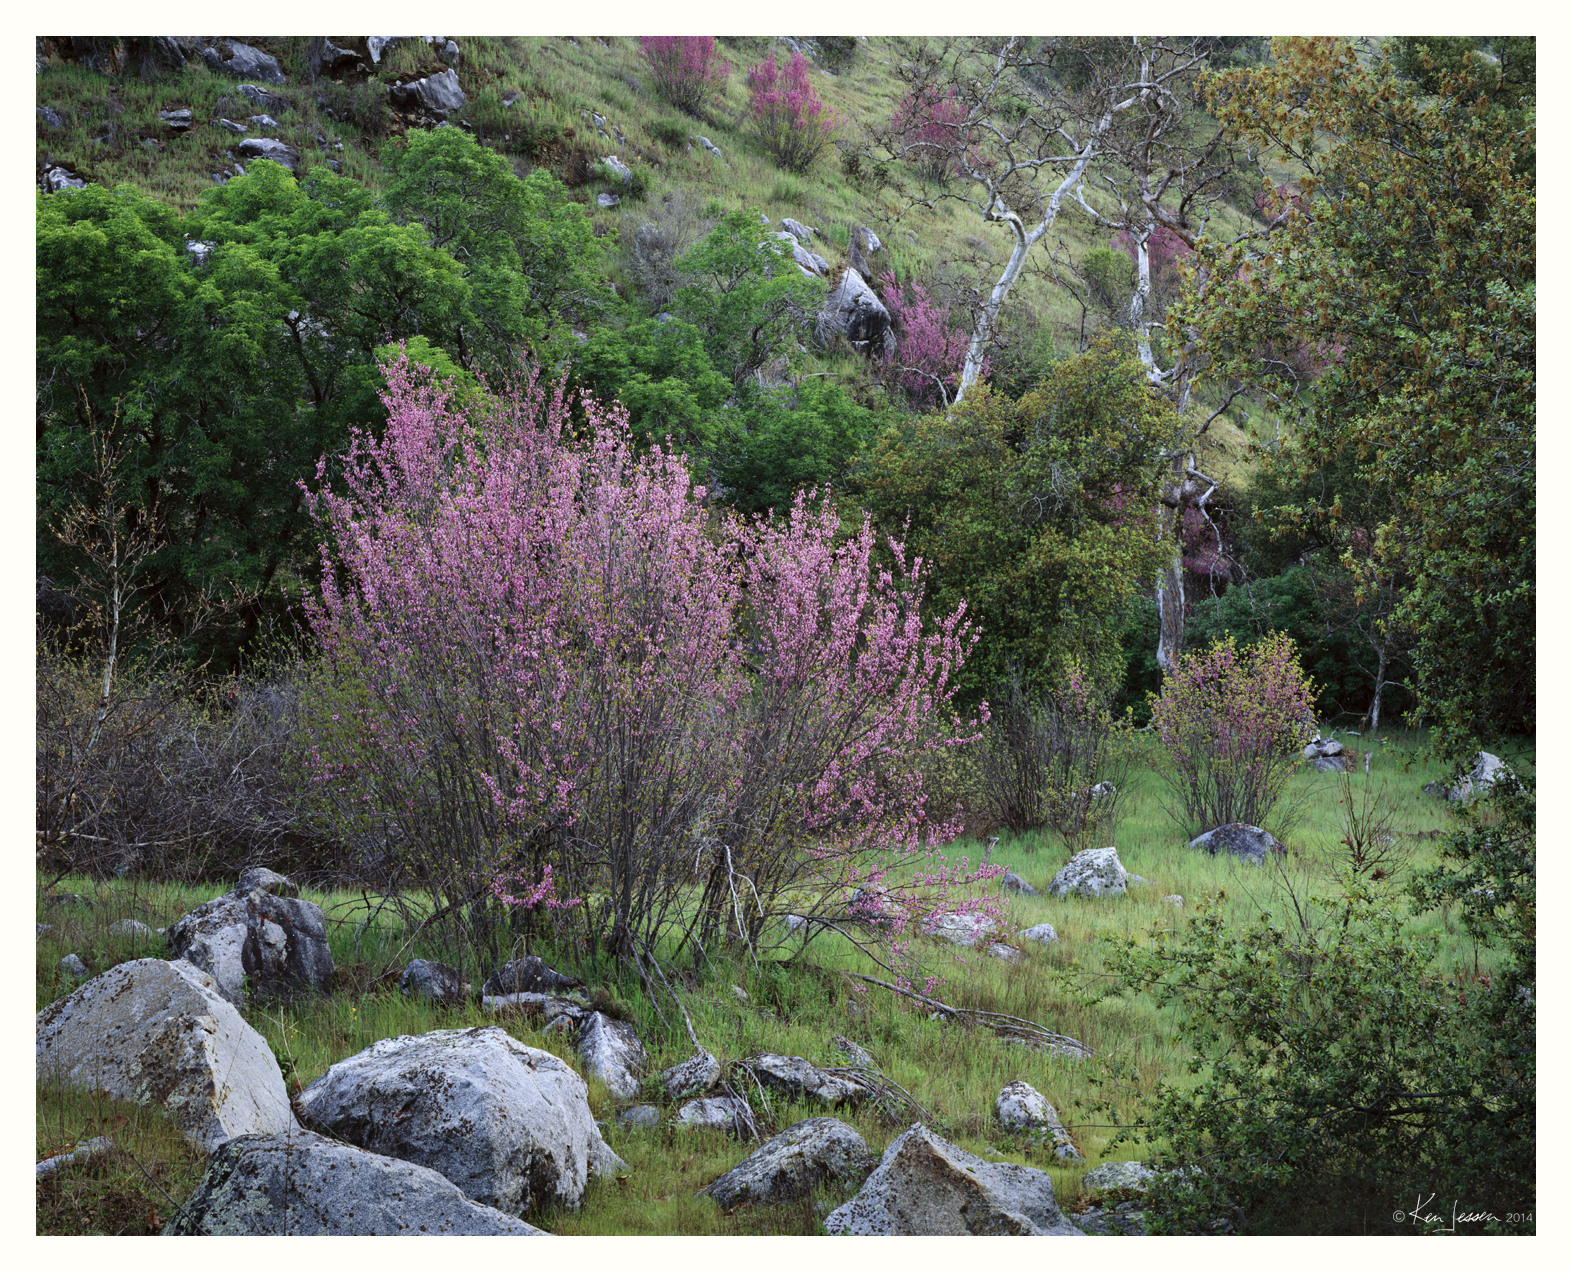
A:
[(952, 1071)]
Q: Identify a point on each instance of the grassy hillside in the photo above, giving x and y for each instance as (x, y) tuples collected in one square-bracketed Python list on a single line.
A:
[(566, 104)]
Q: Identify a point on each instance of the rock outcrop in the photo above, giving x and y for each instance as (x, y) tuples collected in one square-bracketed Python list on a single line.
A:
[(433, 95), (302, 1185), (924, 1186), (159, 1033), (854, 311), (716, 1112), (793, 1163), (528, 975), (509, 1124), (694, 1076)]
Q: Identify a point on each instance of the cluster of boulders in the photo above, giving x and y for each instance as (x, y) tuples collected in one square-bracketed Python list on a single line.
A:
[(472, 1131), (1328, 755), (1481, 776)]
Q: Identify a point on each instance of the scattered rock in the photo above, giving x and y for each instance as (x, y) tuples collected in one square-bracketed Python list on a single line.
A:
[(273, 103), (1004, 953), (1094, 872), (270, 148), (301, 1184), (131, 927), (528, 975), (739, 993), (261, 879), (1118, 1179), (229, 125), (45, 928), (1012, 882), (1481, 777), (806, 260), (716, 1112), (1123, 1220), (84, 1149), (377, 45), (48, 116), (449, 52), (1043, 934), (1021, 1108), (509, 1124), (179, 120), (277, 943), (798, 231), (57, 179), (793, 1163), (1335, 764), (435, 95), (605, 200), (230, 57), (800, 1079), (71, 965), (705, 142), (612, 1052), (693, 1076), (433, 981), (264, 121), (75, 900), (618, 169), (962, 929), (856, 1054), (1322, 748), (1175, 900), (1249, 844), (924, 1186), (639, 1117), (157, 1032)]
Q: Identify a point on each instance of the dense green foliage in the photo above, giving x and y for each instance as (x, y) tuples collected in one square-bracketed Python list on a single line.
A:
[(1035, 511)]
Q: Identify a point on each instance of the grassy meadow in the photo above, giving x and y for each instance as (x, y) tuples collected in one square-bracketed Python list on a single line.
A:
[(797, 998)]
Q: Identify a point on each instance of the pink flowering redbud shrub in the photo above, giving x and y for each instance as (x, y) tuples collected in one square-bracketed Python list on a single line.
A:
[(786, 116), (687, 70), (931, 347), (570, 683), (933, 132), (1232, 723)]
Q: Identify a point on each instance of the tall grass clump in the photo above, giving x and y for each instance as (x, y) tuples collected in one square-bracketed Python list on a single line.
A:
[(1231, 723)]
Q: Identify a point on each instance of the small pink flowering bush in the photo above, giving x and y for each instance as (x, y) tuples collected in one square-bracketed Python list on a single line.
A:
[(931, 348), (932, 128), (786, 116), (687, 70), (1232, 724), (569, 682)]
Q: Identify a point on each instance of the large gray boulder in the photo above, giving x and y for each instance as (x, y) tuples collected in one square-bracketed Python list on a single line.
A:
[(435, 95), (326, 58), (1021, 1108), (302, 1185), (799, 1079), (528, 975), (853, 310), (273, 103), (276, 944), (158, 1033), (270, 148), (435, 982), (798, 231), (924, 1186), (509, 1124), (377, 45), (1043, 934), (1250, 844), (56, 179), (612, 1052), (231, 57), (794, 1162), (1095, 872), (1012, 882)]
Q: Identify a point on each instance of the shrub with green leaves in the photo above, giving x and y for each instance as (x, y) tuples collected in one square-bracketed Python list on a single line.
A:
[(1232, 722)]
